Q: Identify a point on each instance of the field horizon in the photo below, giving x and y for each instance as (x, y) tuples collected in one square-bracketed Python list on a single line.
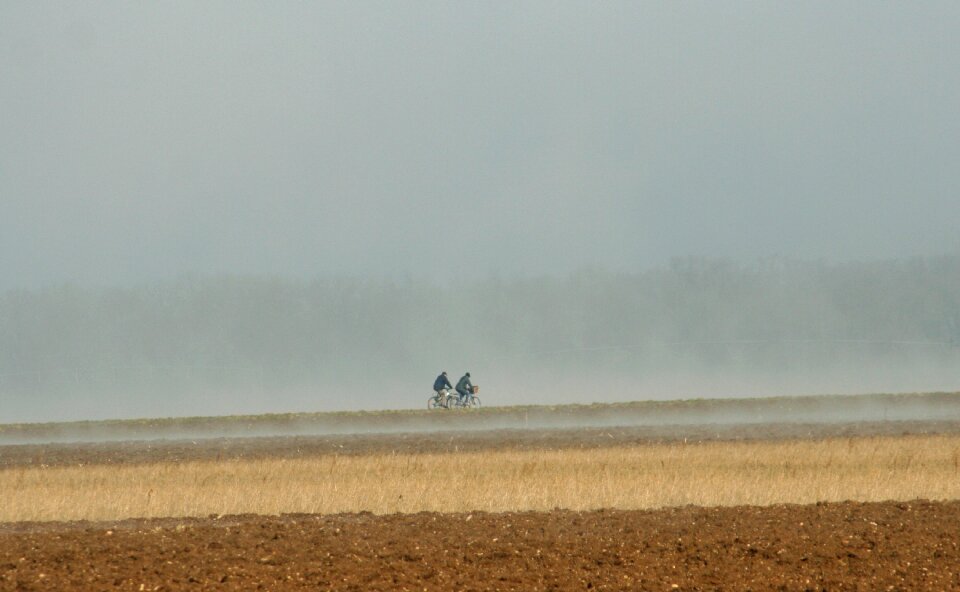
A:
[(812, 409)]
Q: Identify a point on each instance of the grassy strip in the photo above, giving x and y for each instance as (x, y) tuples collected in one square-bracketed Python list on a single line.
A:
[(627, 477)]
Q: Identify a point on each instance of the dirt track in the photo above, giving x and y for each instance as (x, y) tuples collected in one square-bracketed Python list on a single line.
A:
[(181, 450), (849, 546)]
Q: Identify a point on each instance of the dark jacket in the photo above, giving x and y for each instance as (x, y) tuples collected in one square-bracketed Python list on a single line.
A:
[(441, 382), (465, 386)]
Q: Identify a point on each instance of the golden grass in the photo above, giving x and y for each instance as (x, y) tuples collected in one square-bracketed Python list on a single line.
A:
[(644, 476)]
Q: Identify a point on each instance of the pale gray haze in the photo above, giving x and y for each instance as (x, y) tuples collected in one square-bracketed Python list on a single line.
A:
[(232, 207)]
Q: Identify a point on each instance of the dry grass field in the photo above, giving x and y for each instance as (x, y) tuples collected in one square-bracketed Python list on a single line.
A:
[(625, 477)]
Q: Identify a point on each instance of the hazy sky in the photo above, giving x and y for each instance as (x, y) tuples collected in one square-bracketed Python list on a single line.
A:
[(144, 140)]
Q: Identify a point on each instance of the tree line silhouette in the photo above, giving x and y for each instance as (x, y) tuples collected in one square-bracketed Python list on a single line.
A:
[(279, 332)]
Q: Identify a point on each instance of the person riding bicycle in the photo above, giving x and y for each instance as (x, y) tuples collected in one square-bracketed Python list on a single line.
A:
[(465, 388), (442, 383)]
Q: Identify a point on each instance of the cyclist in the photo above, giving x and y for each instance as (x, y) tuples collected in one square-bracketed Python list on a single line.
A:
[(441, 384), (465, 388)]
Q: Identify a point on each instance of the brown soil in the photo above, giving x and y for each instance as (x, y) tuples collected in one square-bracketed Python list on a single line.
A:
[(847, 546)]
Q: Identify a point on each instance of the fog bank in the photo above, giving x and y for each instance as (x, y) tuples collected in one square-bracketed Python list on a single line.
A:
[(698, 328)]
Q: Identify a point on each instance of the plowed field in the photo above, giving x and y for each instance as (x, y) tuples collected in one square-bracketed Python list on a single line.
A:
[(845, 546)]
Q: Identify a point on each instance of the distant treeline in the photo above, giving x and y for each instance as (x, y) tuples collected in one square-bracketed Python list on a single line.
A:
[(283, 332)]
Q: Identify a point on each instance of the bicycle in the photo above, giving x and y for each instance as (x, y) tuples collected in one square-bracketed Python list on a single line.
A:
[(472, 401), (446, 399), (440, 400)]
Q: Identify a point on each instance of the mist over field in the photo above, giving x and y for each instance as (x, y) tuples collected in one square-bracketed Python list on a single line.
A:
[(698, 328), (239, 207)]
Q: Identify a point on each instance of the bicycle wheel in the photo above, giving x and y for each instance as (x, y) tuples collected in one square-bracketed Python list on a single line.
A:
[(434, 403), (474, 401)]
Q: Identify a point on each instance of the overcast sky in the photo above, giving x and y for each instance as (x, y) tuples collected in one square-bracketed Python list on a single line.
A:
[(140, 141)]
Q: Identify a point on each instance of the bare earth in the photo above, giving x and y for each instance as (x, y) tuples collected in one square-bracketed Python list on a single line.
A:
[(846, 546), (835, 546)]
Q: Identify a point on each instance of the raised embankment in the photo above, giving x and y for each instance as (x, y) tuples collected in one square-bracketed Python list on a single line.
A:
[(814, 409)]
